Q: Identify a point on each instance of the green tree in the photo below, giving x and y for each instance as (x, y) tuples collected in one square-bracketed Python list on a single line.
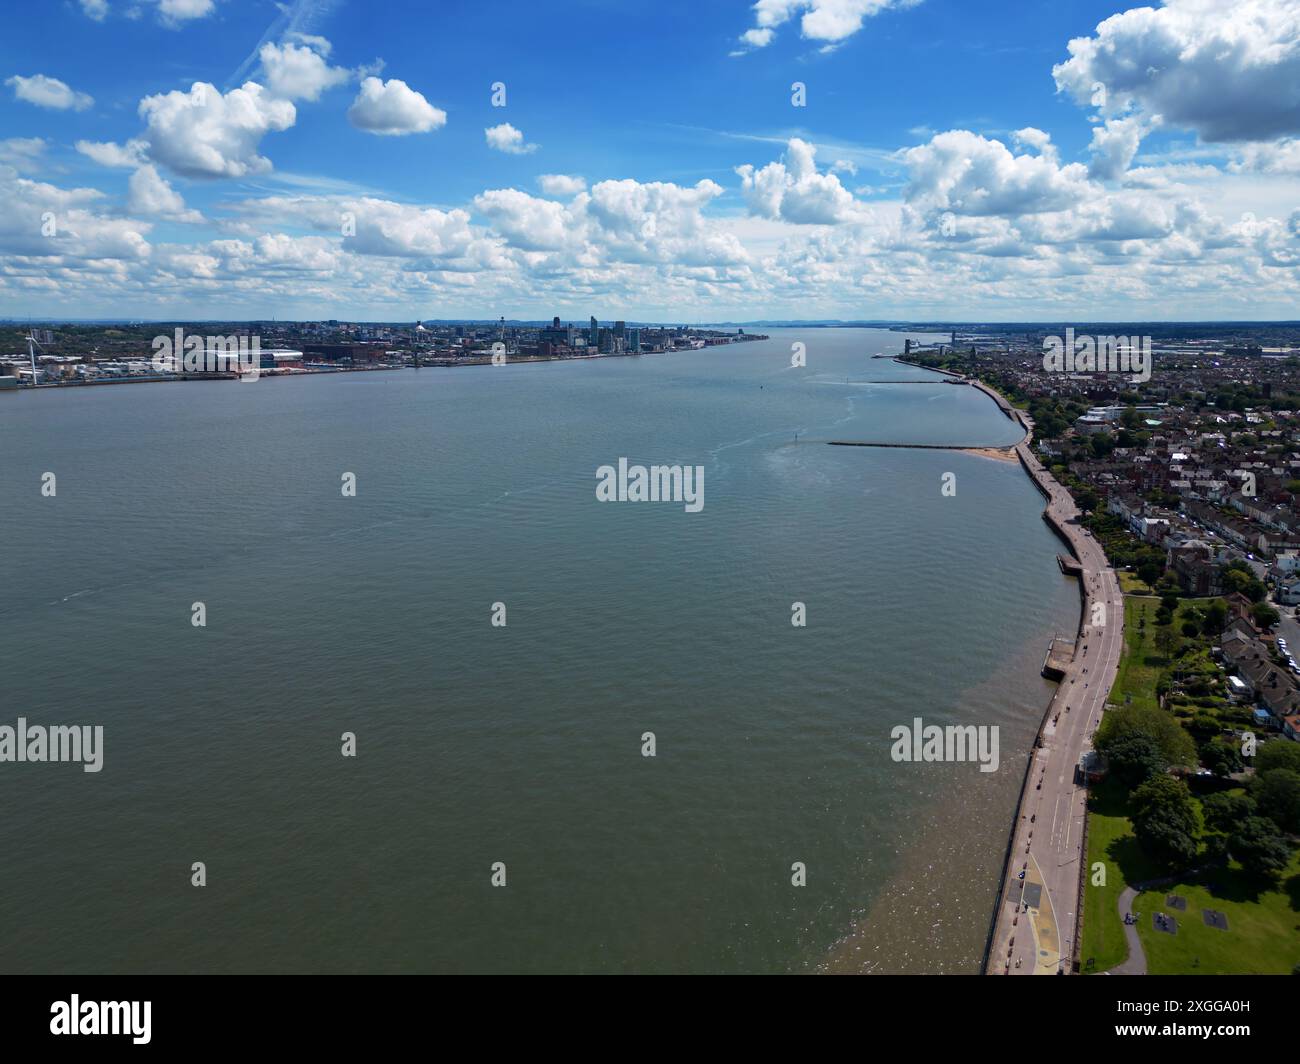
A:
[(1224, 810), (1264, 615), (1149, 572), (1205, 725), (1164, 820), (1277, 793), (1216, 617), (1257, 844), (1239, 576), (1279, 753), (1167, 642), (1216, 848), (1135, 758), (1223, 759), (1174, 744)]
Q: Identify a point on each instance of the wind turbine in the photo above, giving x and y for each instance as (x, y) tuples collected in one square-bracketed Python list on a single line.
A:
[(32, 345)]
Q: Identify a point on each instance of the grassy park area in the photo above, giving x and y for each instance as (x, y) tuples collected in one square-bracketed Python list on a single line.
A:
[(1110, 842), (1139, 668), (1262, 914), (1263, 935), (1263, 917), (1132, 584)]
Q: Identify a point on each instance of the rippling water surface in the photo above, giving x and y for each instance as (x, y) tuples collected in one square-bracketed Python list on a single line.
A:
[(520, 744)]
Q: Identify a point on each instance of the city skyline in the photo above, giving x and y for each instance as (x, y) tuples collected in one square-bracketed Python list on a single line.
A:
[(791, 160)]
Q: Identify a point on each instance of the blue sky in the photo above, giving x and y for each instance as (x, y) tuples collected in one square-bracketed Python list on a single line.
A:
[(952, 159)]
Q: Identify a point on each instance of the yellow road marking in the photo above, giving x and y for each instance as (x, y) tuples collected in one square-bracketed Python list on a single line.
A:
[(1047, 935)]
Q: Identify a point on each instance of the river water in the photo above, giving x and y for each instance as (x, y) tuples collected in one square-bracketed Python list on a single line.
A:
[(519, 744)]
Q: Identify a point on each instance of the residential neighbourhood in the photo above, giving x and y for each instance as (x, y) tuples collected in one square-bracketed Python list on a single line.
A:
[(1191, 483)]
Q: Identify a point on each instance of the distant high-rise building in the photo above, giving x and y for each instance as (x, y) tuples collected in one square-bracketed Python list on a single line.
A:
[(557, 334), (593, 334), (634, 340)]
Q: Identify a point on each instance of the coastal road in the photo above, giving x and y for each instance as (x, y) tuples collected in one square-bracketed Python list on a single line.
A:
[(1034, 927)]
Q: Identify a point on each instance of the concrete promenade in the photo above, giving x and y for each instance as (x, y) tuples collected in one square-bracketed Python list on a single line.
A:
[(1036, 919)]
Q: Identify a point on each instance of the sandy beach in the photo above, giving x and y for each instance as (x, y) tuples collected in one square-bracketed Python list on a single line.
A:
[(1001, 454)]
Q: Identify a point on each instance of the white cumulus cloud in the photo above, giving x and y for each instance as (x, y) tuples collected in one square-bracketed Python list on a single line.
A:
[(526, 221), (794, 191), (80, 234), (821, 20), (1275, 157), (1114, 145), (204, 133), (507, 139), (108, 153), (561, 184), (392, 108), (1229, 71), (149, 195), (22, 153), (175, 13), (299, 71), (970, 174), (48, 92)]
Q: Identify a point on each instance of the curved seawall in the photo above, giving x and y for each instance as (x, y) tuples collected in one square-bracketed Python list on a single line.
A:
[(1041, 891), (1037, 915)]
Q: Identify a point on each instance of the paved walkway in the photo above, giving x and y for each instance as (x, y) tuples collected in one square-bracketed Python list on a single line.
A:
[(1136, 962), (1049, 827)]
